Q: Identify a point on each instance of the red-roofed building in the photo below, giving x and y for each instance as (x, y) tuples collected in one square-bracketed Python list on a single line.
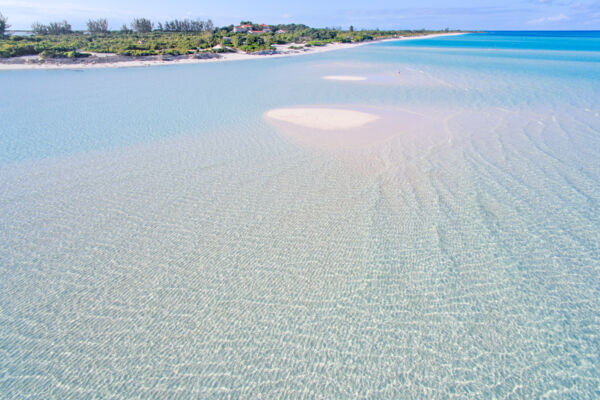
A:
[(242, 28), (248, 29)]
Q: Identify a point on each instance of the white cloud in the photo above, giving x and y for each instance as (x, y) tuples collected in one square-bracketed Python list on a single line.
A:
[(42, 8), (22, 13), (555, 18)]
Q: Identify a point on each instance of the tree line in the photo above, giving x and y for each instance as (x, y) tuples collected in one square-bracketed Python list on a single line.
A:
[(142, 37), (140, 25), (145, 25), (3, 25), (53, 28)]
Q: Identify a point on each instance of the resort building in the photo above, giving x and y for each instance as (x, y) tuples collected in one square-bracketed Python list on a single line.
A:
[(242, 28), (248, 29)]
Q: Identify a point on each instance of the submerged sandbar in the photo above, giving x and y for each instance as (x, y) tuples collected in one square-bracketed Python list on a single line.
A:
[(333, 127), (328, 119), (344, 78)]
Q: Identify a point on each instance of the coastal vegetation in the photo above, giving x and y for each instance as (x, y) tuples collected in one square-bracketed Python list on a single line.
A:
[(53, 28), (142, 25), (143, 37), (186, 25), (98, 26)]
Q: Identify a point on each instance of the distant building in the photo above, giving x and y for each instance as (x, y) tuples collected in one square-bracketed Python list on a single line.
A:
[(242, 28), (248, 29), (280, 31)]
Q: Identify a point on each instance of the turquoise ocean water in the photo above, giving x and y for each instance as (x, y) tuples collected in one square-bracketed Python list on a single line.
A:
[(160, 239)]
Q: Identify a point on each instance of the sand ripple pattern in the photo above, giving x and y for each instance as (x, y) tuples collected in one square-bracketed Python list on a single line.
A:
[(161, 239), (458, 264)]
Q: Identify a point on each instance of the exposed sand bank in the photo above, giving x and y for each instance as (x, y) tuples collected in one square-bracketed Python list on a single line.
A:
[(344, 78), (404, 76), (328, 119), (352, 127), (367, 73), (112, 61)]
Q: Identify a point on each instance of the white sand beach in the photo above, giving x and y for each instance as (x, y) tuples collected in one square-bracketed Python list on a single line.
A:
[(32, 62)]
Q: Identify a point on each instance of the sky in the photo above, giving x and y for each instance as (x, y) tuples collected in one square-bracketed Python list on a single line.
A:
[(383, 14)]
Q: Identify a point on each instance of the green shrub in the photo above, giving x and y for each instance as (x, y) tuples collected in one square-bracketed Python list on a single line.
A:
[(17, 50), (137, 53), (76, 54), (51, 53), (317, 43)]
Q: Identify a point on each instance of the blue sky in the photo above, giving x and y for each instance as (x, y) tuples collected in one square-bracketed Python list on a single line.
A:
[(384, 14)]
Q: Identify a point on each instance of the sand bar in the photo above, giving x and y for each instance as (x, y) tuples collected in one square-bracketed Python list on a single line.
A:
[(328, 119), (344, 78), (355, 127)]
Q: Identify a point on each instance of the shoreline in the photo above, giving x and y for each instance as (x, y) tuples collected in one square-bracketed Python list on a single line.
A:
[(282, 51)]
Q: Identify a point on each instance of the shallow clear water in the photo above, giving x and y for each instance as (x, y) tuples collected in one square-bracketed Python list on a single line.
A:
[(160, 239)]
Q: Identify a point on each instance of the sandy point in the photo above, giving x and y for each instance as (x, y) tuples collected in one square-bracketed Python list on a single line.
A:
[(328, 119), (344, 78)]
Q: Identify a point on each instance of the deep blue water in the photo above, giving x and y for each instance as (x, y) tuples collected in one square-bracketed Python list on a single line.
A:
[(517, 40)]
